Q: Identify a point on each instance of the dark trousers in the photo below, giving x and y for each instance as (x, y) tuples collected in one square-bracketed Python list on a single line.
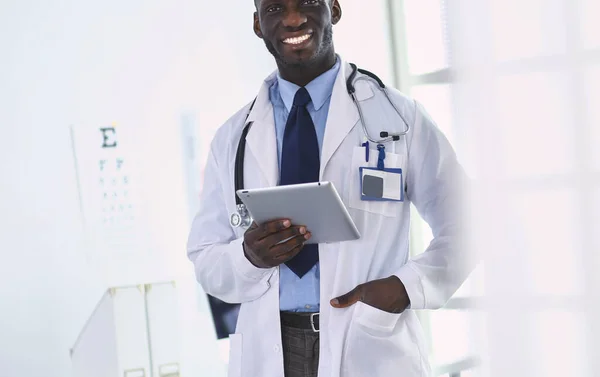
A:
[(300, 352)]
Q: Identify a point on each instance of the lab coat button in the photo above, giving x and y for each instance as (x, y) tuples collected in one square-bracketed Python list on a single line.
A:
[(276, 349)]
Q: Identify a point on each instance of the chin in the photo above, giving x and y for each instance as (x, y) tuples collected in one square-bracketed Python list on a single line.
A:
[(299, 60)]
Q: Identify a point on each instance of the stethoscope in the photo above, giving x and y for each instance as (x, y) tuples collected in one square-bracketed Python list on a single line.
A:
[(241, 218)]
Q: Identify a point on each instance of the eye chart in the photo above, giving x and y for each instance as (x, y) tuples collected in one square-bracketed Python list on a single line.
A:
[(110, 190)]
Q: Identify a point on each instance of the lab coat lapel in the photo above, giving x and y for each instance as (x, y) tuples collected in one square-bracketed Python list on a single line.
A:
[(342, 117), (261, 139)]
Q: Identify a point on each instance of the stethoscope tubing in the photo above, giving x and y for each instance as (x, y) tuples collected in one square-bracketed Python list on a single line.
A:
[(352, 79)]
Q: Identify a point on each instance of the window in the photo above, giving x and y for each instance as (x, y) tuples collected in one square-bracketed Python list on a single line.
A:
[(592, 88), (550, 357), (537, 116), (426, 45), (536, 63), (590, 29), (423, 51), (527, 29)]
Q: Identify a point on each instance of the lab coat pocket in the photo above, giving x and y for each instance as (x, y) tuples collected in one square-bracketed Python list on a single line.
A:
[(380, 344), (235, 355), (385, 208), (375, 320)]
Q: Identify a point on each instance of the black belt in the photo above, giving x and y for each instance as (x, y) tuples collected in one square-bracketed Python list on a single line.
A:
[(304, 321)]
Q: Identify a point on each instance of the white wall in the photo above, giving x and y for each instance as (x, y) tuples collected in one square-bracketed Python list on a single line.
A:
[(141, 64)]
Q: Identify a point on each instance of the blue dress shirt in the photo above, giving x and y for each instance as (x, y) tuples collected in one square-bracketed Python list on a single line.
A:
[(295, 294)]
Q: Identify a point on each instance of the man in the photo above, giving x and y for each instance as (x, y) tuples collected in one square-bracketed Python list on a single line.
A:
[(344, 309)]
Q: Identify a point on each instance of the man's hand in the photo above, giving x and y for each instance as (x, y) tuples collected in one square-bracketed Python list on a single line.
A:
[(387, 294), (263, 244)]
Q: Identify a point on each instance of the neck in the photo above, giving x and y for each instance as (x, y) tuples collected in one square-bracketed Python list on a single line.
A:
[(301, 75)]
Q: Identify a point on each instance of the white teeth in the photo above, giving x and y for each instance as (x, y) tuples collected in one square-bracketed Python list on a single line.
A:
[(296, 40)]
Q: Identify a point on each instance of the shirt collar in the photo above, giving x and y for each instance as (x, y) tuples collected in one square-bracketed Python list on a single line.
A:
[(320, 89)]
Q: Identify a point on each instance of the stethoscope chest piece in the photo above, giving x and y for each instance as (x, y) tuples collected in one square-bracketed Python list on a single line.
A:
[(240, 218)]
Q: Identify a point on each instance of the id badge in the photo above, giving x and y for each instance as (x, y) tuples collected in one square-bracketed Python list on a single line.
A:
[(381, 184)]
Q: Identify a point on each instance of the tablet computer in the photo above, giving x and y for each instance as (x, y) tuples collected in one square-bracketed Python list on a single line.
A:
[(317, 206)]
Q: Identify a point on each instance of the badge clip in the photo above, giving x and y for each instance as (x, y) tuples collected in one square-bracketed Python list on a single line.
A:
[(380, 163)]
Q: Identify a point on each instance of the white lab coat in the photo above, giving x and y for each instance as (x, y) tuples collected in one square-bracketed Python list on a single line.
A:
[(360, 341)]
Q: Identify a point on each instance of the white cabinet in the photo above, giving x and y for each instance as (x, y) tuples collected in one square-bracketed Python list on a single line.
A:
[(163, 330), (132, 333)]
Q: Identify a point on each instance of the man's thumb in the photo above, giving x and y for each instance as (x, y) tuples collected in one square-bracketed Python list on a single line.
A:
[(348, 299)]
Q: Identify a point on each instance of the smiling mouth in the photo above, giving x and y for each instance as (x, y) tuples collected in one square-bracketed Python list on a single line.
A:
[(297, 40)]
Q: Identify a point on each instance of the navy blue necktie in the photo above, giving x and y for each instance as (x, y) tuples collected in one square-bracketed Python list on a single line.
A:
[(300, 164)]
